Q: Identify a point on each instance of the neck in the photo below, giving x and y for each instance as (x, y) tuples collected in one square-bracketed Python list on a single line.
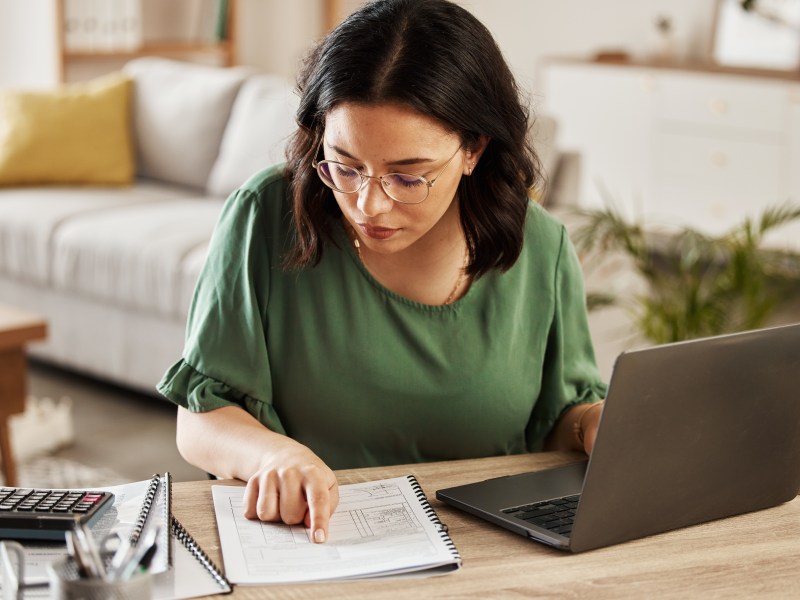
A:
[(430, 273)]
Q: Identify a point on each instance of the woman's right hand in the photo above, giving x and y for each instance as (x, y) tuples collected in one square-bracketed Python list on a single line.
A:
[(286, 481), (293, 485)]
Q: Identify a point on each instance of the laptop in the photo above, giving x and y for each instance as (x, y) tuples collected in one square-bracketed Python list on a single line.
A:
[(691, 432)]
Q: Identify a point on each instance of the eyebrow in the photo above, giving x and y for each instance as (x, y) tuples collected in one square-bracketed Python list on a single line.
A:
[(404, 161)]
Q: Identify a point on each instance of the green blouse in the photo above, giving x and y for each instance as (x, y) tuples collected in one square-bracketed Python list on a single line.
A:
[(363, 376)]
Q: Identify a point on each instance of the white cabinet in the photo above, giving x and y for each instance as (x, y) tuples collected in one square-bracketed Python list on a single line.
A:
[(679, 147), (604, 115)]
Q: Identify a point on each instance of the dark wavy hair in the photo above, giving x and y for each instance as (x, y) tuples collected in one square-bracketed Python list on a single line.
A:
[(438, 59)]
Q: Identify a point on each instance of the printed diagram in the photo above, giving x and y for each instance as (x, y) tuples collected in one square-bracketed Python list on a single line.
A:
[(369, 493), (366, 513), (386, 513), (379, 527), (378, 521)]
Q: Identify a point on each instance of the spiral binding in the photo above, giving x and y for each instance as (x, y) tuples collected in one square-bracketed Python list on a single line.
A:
[(185, 538), (433, 517), (144, 511), (166, 515)]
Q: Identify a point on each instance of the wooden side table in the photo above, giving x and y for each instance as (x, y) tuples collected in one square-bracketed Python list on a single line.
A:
[(17, 327)]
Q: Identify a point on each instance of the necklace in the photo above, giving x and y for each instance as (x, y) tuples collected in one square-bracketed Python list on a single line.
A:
[(462, 272)]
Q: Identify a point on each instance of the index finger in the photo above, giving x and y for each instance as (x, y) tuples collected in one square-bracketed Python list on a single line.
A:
[(322, 501)]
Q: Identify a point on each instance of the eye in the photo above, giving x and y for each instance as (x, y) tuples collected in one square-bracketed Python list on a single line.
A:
[(406, 181), (341, 170)]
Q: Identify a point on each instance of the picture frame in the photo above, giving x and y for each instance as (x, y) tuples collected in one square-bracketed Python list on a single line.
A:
[(758, 34)]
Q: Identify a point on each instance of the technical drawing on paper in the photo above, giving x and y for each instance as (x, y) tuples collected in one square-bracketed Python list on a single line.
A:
[(379, 527)]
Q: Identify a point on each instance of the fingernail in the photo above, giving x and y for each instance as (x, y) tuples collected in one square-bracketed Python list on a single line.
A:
[(319, 536)]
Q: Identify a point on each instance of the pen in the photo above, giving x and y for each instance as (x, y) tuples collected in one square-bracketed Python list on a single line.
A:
[(142, 555), (86, 549), (121, 556), (144, 563), (86, 567)]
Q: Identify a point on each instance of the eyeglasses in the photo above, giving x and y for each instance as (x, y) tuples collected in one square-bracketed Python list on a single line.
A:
[(400, 187)]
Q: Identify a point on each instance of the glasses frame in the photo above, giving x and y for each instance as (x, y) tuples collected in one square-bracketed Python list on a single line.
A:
[(364, 177)]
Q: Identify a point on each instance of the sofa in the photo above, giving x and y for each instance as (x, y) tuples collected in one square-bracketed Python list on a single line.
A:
[(106, 236)]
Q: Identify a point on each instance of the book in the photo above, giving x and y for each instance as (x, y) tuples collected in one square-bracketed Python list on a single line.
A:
[(180, 568), (221, 27), (380, 528)]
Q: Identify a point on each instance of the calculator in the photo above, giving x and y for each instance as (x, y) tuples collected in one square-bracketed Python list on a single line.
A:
[(45, 514)]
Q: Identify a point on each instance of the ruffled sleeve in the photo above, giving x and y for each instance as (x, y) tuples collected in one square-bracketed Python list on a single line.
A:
[(225, 359), (186, 387)]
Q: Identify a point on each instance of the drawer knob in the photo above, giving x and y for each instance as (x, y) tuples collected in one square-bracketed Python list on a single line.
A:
[(719, 159), (647, 83), (719, 106)]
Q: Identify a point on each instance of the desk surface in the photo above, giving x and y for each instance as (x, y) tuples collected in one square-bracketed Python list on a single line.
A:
[(749, 556)]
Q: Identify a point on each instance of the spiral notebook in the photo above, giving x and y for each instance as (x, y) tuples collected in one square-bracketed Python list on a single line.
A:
[(180, 567), (384, 528)]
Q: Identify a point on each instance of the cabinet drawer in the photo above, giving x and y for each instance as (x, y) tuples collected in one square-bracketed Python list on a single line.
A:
[(722, 102), (713, 184)]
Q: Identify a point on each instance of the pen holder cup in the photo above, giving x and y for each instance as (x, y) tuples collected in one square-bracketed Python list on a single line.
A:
[(66, 584)]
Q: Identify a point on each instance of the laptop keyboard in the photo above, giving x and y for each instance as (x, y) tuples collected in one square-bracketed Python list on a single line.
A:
[(554, 515)]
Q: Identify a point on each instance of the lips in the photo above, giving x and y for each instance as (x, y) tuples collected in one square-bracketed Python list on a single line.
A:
[(377, 233)]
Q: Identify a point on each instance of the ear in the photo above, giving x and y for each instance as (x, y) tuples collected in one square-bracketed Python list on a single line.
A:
[(473, 154)]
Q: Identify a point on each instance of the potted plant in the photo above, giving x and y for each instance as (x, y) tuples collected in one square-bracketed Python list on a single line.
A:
[(695, 284)]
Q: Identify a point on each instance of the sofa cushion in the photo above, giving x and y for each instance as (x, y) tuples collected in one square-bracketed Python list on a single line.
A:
[(262, 118), (77, 134), (133, 257), (190, 271), (30, 217), (179, 114)]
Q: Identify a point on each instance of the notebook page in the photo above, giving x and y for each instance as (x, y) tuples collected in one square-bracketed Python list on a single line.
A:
[(380, 528)]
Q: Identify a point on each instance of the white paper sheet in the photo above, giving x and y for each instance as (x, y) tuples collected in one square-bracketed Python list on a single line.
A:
[(380, 528)]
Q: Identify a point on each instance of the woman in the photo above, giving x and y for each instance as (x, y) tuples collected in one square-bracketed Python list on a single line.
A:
[(390, 295)]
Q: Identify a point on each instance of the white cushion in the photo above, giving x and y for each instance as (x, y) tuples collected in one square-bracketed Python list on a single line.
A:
[(262, 119), (191, 266), (133, 257), (30, 216), (179, 114)]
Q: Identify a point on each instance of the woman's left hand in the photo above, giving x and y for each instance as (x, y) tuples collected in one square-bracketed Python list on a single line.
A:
[(588, 423), (576, 430)]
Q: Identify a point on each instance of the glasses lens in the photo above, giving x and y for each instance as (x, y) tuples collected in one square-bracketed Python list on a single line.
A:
[(408, 189), (338, 176)]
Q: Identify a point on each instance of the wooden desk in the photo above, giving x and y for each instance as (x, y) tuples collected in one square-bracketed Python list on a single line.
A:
[(17, 327), (750, 556)]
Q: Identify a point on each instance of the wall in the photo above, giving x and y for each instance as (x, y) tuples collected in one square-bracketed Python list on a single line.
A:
[(275, 34), (529, 30), (27, 43)]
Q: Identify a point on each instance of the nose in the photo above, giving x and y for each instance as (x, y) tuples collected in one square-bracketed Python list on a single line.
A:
[(372, 199)]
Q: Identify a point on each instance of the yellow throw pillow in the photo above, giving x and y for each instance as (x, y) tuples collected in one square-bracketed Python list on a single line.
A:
[(80, 133)]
